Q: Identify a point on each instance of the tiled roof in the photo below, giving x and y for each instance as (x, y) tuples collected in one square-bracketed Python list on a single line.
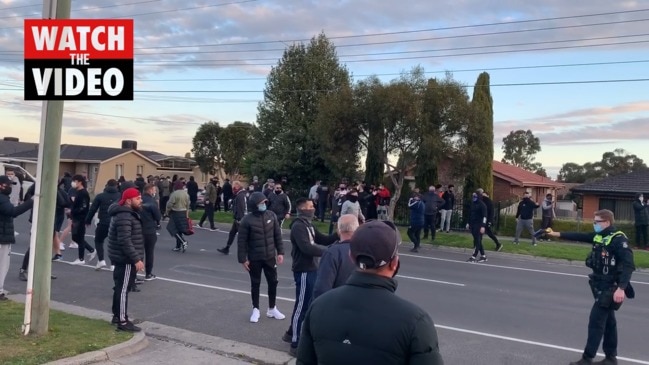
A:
[(84, 153), (631, 183), (521, 177), (12, 147)]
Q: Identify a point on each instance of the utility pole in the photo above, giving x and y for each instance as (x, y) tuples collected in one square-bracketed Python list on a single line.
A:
[(37, 304)]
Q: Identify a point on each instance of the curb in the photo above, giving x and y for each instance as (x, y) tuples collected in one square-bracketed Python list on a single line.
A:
[(134, 345)]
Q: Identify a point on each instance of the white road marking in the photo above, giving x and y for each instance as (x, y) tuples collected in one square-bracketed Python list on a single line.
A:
[(509, 267), (449, 328), (534, 343), (430, 280)]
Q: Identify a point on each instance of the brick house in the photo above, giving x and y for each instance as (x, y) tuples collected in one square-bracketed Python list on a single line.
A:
[(615, 193)]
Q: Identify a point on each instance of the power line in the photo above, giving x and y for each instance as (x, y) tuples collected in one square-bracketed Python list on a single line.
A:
[(22, 6), (96, 7)]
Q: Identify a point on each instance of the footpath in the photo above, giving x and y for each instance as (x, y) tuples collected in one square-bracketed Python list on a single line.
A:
[(161, 344)]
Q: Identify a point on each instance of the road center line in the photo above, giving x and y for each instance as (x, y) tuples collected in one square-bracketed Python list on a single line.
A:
[(509, 267), (429, 280), (534, 343)]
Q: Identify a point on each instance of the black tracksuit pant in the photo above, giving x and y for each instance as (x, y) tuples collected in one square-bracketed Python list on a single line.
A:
[(79, 237), (429, 224), (150, 240), (124, 278), (477, 240), (233, 233), (101, 233), (208, 214), (269, 268)]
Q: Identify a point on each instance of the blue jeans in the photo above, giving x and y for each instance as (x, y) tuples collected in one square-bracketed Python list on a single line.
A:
[(304, 283)]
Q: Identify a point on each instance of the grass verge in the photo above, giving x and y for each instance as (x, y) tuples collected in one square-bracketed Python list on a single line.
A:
[(555, 249), (69, 335)]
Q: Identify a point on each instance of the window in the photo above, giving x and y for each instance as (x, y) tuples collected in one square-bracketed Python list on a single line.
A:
[(622, 209), (203, 177), (140, 170), (119, 171)]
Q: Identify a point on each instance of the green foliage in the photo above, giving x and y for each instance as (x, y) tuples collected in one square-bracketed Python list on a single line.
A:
[(287, 141), (519, 149), (479, 140), (235, 140), (207, 147), (613, 163)]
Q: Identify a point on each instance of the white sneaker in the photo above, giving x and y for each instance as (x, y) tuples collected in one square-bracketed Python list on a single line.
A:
[(112, 267), (275, 313), (73, 245), (100, 264), (62, 246), (92, 255), (254, 317), (78, 262), (16, 233)]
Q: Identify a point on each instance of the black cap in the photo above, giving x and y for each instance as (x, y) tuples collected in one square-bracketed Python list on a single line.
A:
[(5, 180), (374, 244)]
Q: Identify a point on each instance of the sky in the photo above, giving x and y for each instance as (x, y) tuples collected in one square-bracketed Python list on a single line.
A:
[(576, 73)]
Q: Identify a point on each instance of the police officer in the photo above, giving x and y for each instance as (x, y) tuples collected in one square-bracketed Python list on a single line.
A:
[(612, 263)]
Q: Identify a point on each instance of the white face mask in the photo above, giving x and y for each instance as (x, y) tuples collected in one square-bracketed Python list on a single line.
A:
[(74, 184)]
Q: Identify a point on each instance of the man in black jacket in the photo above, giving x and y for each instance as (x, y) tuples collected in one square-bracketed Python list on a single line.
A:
[(279, 203), (611, 260), (641, 215), (363, 321), (433, 202), (150, 215), (239, 209), (525, 217), (102, 202), (192, 190), (78, 214), (477, 224), (7, 237), (260, 248), (228, 193), (126, 251), (335, 265), (490, 219), (307, 246)]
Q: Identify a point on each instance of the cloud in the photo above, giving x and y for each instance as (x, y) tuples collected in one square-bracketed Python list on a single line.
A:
[(103, 132), (587, 134)]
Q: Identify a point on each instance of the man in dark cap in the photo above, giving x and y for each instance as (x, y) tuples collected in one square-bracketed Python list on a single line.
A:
[(377, 326)]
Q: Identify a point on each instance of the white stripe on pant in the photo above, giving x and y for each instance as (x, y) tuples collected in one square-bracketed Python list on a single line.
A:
[(124, 294), (300, 305)]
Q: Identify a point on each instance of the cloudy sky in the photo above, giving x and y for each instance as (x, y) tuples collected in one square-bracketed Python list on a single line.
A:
[(574, 72)]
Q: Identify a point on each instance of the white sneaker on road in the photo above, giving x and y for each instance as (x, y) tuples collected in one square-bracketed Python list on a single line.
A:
[(100, 264), (92, 255), (78, 262), (16, 233), (73, 245), (254, 317), (62, 246), (275, 313)]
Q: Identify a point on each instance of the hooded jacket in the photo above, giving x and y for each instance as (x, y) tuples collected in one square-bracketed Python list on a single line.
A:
[(7, 214), (260, 236), (125, 237), (150, 215), (308, 245), (417, 210), (101, 203)]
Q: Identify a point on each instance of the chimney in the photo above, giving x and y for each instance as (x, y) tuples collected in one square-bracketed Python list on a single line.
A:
[(129, 145), (11, 139)]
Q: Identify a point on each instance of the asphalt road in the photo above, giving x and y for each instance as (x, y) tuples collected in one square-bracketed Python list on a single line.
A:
[(505, 311)]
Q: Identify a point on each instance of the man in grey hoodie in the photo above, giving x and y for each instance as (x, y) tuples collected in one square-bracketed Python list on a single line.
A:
[(433, 203)]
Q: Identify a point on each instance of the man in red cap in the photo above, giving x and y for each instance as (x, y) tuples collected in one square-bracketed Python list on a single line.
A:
[(126, 252)]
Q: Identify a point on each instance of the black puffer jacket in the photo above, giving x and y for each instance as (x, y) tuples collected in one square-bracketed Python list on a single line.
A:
[(101, 203), (364, 322), (125, 237), (260, 236), (7, 214)]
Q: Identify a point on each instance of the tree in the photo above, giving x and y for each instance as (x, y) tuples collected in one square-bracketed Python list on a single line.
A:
[(207, 148), (613, 163), (235, 141), (541, 172), (446, 109), (479, 136), (287, 139), (571, 172), (520, 147)]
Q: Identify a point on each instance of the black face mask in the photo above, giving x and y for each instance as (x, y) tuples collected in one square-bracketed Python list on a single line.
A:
[(397, 270), (278, 191), (352, 198), (6, 190)]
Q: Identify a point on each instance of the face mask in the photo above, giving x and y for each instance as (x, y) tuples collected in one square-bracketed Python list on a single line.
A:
[(6, 190), (74, 184), (597, 227), (352, 198), (475, 198), (397, 270), (262, 207), (307, 213), (278, 191)]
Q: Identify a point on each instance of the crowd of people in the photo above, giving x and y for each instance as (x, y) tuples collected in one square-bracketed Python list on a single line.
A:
[(344, 279)]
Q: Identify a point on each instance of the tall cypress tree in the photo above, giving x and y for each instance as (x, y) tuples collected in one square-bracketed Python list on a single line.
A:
[(480, 140)]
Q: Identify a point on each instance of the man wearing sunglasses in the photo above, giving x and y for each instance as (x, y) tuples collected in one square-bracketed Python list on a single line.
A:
[(363, 321), (612, 263)]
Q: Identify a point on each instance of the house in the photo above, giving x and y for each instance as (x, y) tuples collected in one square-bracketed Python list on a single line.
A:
[(100, 164), (11, 145), (615, 193)]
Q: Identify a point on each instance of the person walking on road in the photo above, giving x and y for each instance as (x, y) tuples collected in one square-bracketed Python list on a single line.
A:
[(210, 201), (477, 224), (192, 191), (335, 264), (7, 237), (611, 261), (363, 321), (151, 217), (126, 252), (260, 248), (100, 206), (178, 213), (525, 218), (641, 215), (78, 214), (239, 210), (307, 246), (490, 219)]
